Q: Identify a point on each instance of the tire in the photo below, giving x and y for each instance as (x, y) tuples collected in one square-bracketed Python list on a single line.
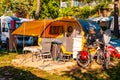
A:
[(83, 63), (107, 60), (100, 57)]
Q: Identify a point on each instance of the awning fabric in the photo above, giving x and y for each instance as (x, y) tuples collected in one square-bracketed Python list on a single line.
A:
[(41, 27), (32, 28)]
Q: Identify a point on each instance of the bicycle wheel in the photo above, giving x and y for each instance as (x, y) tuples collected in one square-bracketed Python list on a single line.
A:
[(81, 62), (107, 59), (100, 57)]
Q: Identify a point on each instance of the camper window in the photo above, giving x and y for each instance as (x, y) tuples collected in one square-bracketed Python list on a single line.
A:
[(4, 28), (70, 29), (56, 29)]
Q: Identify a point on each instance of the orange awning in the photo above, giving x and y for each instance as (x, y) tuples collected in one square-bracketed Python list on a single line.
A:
[(32, 28)]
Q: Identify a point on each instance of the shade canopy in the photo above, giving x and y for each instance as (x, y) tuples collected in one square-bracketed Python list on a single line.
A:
[(31, 28)]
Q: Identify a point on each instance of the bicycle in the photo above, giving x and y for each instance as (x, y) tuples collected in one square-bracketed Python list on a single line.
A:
[(103, 58), (84, 58), (101, 51)]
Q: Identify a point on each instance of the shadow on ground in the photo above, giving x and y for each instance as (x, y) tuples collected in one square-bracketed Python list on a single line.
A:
[(12, 73), (6, 51), (78, 73), (3, 52)]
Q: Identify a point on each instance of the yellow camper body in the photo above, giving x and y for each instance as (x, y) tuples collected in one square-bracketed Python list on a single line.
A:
[(64, 27)]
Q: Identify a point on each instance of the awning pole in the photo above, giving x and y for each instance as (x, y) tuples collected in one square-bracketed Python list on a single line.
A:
[(44, 27)]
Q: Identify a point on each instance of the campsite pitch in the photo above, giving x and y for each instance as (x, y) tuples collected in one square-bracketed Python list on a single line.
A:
[(26, 60)]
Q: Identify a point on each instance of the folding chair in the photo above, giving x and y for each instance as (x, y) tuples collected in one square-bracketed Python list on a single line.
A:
[(35, 50), (46, 51), (66, 55)]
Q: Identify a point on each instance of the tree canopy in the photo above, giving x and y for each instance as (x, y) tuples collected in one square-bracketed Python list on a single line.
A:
[(49, 8)]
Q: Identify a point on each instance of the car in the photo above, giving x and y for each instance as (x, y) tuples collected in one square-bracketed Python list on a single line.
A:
[(24, 41)]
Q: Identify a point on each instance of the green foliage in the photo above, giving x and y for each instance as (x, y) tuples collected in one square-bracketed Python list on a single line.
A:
[(13, 5), (88, 1), (53, 9), (78, 12), (21, 12), (102, 6), (49, 9), (1, 7), (84, 12), (66, 12)]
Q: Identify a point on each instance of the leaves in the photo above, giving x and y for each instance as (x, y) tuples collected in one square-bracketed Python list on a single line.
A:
[(76, 12), (50, 8), (21, 12)]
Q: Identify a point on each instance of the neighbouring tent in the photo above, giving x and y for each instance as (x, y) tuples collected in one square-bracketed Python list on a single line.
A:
[(104, 22), (87, 24)]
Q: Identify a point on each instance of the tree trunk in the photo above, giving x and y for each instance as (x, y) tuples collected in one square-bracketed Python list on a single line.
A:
[(99, 12), (37, 10), (116, 13), (60, 2)]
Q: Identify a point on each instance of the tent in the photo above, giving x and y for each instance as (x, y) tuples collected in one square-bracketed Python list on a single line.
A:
[(86, 25), (104, 22), (43, 28)]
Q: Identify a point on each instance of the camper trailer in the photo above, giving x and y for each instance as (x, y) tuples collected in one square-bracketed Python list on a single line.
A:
[(9, 24), (5, 26)]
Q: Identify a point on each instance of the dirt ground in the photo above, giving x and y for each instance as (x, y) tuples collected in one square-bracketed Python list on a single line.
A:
[(53, 66)]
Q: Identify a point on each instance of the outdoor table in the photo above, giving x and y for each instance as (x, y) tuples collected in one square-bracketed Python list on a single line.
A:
[(56, 49), (33, 49)]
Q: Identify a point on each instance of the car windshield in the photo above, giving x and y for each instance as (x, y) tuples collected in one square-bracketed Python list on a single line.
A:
[(23, 37)]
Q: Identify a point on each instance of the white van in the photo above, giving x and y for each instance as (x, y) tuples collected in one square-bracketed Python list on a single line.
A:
[(5, 27)]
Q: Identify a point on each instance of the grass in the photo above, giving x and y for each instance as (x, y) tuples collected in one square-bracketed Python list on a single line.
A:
[(10, 72)]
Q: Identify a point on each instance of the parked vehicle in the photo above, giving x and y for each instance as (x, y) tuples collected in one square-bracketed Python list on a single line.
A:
[(8, 24), (0, 42), (24, 40)]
